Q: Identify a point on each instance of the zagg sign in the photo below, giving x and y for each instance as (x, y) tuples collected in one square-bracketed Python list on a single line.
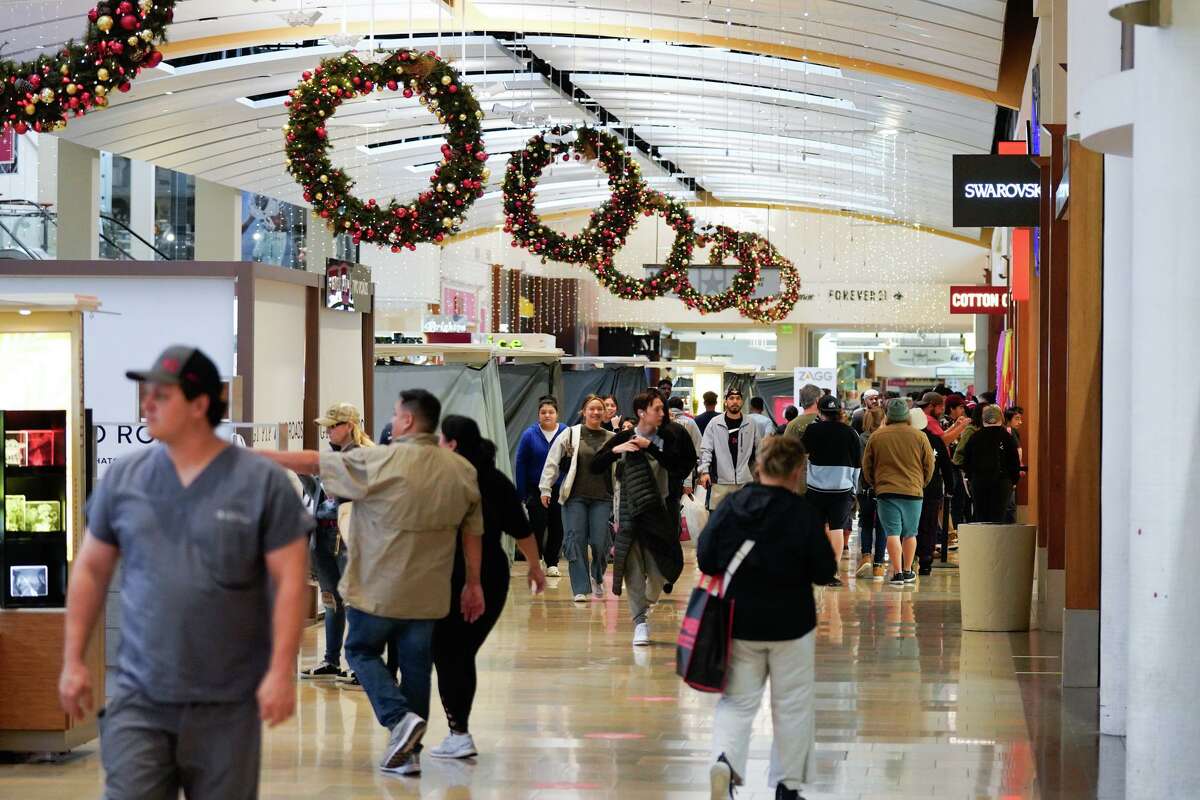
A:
[(978, 299), (997, 192)]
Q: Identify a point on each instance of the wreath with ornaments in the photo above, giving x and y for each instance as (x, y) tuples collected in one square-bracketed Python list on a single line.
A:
[(121, 40), (456, 182)]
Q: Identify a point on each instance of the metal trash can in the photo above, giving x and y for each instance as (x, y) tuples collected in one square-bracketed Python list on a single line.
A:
[(995, 569)]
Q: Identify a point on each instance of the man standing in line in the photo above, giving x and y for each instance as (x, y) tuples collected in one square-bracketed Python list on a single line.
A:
[(647, 557), (991, 462), (834, 460), (809, 395), (934, 404), (727, 451), (412, 501), (710, 411), (869, 400), (209, 535), (758, 415)]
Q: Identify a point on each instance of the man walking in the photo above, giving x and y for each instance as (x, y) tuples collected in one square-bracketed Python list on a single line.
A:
[(834, 460), (897, 465), (727, 451), (412, 501), (647, 556), (809, 395), (214, 544)]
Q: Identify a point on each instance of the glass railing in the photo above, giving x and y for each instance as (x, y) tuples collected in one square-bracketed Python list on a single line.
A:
[(30, 231)]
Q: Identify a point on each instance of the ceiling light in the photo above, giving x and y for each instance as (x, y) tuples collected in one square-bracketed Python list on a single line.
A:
[(888, 132), (24, 312)]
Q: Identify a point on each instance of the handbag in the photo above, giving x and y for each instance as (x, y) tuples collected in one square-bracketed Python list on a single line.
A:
[(706, 635), (684, 534), (564, 462)]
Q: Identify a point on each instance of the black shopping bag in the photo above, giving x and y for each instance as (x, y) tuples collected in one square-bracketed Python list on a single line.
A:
[(706, 635)]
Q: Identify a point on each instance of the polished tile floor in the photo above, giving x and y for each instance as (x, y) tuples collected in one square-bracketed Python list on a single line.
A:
[(908, 706)]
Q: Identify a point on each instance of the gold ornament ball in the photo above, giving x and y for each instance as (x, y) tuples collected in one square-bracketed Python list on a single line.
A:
[(478, 115), (133, 41), (441, 187), (446, 80), (447, 222), (30, 110), (58, 125), (320, 196), (324, 179), (64, 70), (487, 173), (433, 103), (146, 35), (462, 117), (105, 23), (146, 6), (47, 95), (102, 74), (72, 88), (433, 91), (451, 188), (101, 90), (424, 100)]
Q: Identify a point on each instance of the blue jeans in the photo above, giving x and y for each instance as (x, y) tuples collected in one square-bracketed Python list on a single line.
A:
[(329, 566), (585, 523), (410, 642)]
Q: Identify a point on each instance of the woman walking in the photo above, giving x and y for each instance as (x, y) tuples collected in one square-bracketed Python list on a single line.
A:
[(456, 641), (532, 450), (612, 416), (343, 426), (775, 618), (586, 498)]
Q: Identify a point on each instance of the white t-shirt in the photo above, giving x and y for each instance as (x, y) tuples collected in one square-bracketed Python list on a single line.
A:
[(548, 434)]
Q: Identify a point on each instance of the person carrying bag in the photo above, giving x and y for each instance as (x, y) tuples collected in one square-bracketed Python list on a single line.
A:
[(775, 542), (702, 651)]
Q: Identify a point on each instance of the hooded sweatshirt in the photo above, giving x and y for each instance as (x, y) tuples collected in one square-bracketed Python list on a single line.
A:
[(772, 590)]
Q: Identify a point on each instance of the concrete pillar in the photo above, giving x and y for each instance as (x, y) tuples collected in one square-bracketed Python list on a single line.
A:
[(791, 346), (984, 360), (218, 222), (1117, 436), (1164, 637), (78, 206)]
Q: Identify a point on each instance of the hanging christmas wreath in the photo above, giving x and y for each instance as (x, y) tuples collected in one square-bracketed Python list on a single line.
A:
[(120, 41), (455, 184), (673, 273), (755, 254), (609, 225)]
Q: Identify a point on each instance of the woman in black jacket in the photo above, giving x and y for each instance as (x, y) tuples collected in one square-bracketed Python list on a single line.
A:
[(935, 493), (992, 463), (456, 641), (775, 617)]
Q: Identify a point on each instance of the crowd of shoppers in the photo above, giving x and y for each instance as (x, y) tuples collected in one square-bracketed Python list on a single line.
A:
[(406, 542)]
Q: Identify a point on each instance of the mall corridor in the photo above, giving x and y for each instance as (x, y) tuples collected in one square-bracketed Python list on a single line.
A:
[(909, 707)]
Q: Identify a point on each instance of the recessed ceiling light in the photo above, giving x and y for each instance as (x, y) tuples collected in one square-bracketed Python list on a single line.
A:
[(24, 312)]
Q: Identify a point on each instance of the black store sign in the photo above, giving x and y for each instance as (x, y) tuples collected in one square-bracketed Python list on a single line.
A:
[(997, 192)]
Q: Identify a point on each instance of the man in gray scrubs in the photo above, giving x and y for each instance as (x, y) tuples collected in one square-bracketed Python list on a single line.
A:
[(208, 533)]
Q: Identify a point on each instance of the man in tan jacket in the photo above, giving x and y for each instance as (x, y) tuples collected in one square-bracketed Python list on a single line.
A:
[(897, 464)]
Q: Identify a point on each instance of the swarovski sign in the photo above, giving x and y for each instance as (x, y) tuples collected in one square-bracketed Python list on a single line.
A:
[(994, 190), (997, 191)]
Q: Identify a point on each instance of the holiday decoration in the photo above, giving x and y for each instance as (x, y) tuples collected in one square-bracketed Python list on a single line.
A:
[(121, 40), (609, 226), (456, 182)]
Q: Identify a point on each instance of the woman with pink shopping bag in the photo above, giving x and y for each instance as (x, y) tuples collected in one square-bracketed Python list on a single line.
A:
[(773, 617)]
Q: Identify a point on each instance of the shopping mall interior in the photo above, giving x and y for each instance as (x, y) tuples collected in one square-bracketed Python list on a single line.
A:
[(864, 238)]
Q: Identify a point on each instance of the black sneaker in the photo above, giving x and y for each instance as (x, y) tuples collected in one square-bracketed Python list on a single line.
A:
[(910, 577), (898, 579), (926, 570), (784, 793), (835, 583), (323, 671), (350, 681)]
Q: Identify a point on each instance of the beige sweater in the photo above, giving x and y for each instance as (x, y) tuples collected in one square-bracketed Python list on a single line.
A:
[(898, 460)]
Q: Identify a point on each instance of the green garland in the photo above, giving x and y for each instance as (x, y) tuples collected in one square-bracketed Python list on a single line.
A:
[(121, 40), (456, 183)]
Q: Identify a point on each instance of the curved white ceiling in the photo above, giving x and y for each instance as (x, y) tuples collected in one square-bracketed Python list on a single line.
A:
[(743, 126)]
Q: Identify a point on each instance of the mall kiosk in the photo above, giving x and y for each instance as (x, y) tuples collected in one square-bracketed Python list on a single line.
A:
[(44, 478)]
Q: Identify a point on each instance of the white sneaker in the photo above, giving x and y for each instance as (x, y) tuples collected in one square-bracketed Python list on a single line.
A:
[(411, 765), (720, 781), (598, 590), (581, 598), (455, 745), (403, 741), (552, 572), (641, 635)]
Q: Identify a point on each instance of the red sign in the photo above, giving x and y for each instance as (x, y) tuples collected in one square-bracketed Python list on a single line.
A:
[(978, 299), (8, 146)]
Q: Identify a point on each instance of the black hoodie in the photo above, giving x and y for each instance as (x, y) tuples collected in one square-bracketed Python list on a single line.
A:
[(772, 590)]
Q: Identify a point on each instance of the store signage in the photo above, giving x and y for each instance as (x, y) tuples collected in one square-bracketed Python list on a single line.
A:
[(979, 299), (8, 146), (347, 286), (823, 377), (517, 341), (852, 295), (997, 191)]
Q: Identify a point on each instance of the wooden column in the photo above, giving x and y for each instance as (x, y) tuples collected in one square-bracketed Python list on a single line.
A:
[(1081, 423)]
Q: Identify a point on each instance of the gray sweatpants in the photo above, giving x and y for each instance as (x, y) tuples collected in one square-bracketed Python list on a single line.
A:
[(152, 750), (643, 582)]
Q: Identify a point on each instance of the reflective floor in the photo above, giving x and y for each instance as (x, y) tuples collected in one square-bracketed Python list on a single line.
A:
[(909, 706)]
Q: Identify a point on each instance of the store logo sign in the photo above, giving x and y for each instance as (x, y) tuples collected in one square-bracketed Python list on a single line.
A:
[(979, 299), (997, 191)]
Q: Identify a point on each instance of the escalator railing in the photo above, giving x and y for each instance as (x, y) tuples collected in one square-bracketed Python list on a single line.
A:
[(30, 231)]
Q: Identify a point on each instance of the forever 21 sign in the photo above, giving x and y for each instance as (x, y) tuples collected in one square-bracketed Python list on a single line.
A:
[(997, 191)]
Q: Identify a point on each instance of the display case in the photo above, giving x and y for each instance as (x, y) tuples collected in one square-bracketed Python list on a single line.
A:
[(42, 493)]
